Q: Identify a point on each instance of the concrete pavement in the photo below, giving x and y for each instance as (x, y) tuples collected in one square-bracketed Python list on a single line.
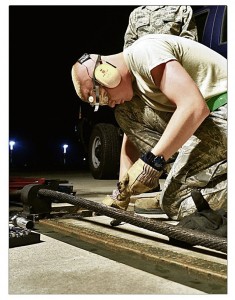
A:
[(56, 267), (90, 257)]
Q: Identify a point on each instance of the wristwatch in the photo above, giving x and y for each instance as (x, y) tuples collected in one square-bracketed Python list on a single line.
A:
[(157, 162)]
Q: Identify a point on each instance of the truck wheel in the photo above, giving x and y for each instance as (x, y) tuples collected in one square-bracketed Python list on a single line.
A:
[(104, 151)]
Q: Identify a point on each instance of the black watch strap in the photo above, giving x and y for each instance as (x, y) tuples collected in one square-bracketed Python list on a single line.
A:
[(157, 162)]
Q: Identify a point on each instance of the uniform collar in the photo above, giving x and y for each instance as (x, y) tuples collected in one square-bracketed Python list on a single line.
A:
[(154, 7)]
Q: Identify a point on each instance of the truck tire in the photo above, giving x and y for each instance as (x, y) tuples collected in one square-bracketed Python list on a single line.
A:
[(104, 151)]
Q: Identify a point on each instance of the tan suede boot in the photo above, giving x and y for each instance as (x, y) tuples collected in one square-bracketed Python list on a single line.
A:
[(148, 205)]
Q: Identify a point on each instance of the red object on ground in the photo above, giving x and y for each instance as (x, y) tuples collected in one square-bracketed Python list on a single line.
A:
[(17, 183)]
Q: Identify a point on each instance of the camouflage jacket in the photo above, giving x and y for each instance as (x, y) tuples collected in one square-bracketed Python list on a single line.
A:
[(169, 19)]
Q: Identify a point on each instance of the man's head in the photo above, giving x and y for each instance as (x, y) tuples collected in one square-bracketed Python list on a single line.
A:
[(97, 82)]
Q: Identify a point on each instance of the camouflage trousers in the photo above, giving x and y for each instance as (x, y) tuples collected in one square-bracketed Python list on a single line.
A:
[(201, 162)]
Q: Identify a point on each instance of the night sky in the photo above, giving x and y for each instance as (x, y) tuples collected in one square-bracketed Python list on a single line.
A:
[(44, 42)]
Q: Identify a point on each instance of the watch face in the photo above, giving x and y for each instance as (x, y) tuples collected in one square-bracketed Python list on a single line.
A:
[(159, 162)]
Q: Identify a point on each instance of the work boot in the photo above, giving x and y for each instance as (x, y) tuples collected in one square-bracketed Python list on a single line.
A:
[(148, 205)]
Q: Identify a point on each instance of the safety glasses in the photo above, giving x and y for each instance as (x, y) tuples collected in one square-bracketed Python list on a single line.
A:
[(100, 96)]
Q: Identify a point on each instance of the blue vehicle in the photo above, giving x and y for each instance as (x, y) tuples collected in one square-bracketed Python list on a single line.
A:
[(212, 27), (102, 140)]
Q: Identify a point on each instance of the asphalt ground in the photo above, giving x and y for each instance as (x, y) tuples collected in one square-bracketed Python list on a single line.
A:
[(87, 256)]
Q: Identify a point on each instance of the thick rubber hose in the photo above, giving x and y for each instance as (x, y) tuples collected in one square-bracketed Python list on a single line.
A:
[(189, 236)]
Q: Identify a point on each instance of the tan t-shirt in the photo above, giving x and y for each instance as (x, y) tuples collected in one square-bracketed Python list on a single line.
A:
[(206, 67)]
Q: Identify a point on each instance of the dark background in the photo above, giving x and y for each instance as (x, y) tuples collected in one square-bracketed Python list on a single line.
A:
[(44, 43)]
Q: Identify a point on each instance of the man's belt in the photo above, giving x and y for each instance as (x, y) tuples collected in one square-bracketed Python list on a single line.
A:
[(217, 101)]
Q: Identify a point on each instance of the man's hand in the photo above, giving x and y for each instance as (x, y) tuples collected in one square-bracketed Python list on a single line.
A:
[(140, 178)]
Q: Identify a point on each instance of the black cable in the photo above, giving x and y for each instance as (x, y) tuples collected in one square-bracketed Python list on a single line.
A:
[(189, 236)]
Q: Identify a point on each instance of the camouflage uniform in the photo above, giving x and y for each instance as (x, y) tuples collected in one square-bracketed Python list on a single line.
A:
[(169, 19), (201, 162)]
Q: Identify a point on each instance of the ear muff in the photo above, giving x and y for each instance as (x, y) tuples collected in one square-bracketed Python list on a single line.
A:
[(107, 75)]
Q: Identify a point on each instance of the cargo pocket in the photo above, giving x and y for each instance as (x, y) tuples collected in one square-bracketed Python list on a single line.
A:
[(142, 25), (173, 23)]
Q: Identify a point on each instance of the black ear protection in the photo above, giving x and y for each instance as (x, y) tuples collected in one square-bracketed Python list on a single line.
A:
[(104, 74)]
